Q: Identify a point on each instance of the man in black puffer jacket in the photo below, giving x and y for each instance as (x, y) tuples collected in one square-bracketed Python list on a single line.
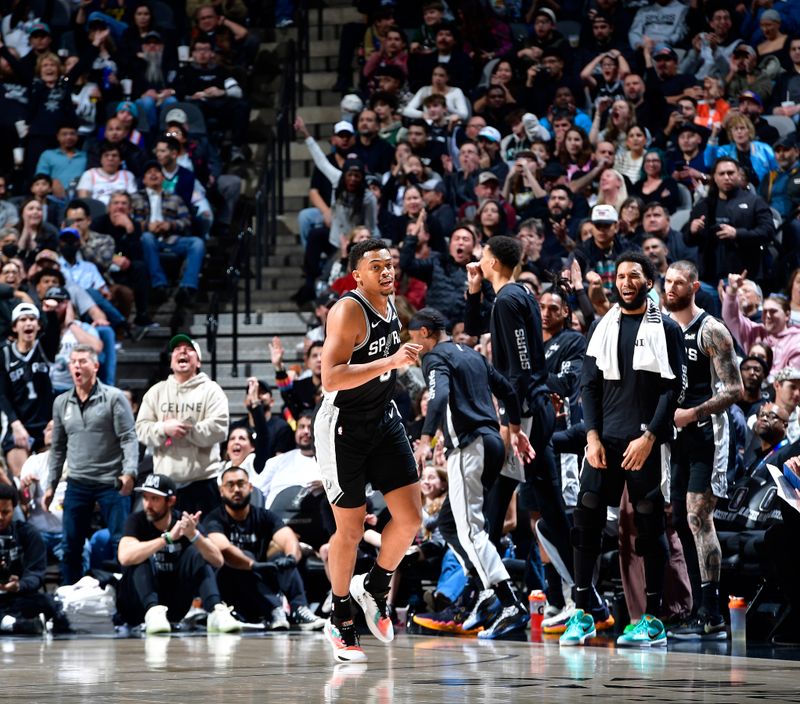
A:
[(730, 227)]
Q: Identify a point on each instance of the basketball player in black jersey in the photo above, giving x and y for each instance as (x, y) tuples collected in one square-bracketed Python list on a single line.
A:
[(700, 453), (360, 439)]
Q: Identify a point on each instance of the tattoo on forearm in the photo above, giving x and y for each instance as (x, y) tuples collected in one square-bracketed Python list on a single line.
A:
[(700, 514), (718, 345)]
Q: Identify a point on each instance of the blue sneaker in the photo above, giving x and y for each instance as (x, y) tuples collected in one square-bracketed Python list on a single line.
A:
[(511, 618), (648, 633), (485, 609), (579, 627)]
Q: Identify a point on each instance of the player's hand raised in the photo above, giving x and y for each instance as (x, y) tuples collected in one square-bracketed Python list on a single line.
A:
[(474, 277)]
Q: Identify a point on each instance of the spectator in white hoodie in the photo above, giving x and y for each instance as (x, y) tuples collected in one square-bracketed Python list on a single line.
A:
[(183, 419)]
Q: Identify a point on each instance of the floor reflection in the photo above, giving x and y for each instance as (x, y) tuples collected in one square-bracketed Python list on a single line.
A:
[(297, 667)]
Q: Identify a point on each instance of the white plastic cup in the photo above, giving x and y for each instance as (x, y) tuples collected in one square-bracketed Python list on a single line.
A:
[(127, 86), (788, 104), (22, 128), (183, 53), (19, 156)]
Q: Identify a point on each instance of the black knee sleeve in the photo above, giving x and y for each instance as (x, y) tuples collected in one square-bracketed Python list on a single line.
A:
[(648, 515), (589, 519)]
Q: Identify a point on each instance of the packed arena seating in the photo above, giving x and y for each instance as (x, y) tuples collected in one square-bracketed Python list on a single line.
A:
[(586, 130)]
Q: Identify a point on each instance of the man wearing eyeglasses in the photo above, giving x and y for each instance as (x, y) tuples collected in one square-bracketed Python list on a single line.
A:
[(771, 445), (248, 580)]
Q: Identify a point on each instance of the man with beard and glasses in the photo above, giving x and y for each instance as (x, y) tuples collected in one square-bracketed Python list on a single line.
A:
[(632, 381), (167, 560), (701, 451), (249, 581), (360, 438), (154, 74)]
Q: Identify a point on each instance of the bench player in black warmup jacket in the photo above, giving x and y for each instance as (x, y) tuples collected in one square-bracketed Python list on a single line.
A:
[(360, 439), (460, 387)]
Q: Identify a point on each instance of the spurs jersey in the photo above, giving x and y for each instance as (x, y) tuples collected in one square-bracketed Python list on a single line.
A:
[(25, 384), (382, 340), (702, 378)]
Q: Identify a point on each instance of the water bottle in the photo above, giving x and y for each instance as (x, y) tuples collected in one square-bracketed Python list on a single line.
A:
[(738, 608), (536, 602)]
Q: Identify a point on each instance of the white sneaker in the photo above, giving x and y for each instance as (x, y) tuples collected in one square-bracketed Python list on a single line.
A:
[(155, 620), (220, 620), (558, 624), (378, 622)]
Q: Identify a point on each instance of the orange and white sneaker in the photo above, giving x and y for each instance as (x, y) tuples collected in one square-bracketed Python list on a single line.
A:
[(378, 622), (344, 641)]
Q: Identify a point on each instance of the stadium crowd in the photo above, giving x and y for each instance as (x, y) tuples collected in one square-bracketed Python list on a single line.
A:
[(606, 209)]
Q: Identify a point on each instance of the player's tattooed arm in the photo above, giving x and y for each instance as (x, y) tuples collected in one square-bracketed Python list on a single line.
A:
[(718, 345)]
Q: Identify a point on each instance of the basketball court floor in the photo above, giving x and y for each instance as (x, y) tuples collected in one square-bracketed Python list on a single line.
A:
[(289, 667)]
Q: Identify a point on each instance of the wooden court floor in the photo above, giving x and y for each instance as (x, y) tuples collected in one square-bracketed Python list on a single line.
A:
[(286, 668)]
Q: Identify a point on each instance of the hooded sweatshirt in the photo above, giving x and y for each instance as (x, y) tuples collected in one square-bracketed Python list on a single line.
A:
[(202, 403)]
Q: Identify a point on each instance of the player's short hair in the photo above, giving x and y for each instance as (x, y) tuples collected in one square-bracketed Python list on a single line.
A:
[(507, 250), (688, 268), (648, 268), (359, 249)]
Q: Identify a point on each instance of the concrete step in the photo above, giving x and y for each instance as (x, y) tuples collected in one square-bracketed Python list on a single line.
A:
[(319, 80), (333, 16)]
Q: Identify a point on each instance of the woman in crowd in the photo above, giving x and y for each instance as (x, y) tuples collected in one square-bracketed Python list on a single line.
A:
[(490, 219), (575, 153), (408, 170), (621, 118), (630, 217), (756, 158), (655, 184), (414, 211), (521, 186), (776, 43), (457, 103), (35, 234), (502, 74), (629, 160), (612, 190)]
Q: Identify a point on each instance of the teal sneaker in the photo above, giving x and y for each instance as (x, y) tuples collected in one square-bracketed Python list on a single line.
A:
[(648, 633), (579, 628)]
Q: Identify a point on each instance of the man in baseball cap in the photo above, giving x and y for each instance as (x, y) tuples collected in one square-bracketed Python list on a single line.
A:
[(165, 556), (183, 339)]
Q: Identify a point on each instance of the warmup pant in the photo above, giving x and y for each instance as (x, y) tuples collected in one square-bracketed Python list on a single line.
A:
[(677, 592), (144, 586), (471, 472), (543, 477)]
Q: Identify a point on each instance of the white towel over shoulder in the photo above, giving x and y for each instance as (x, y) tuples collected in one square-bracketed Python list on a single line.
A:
[(649, 354)]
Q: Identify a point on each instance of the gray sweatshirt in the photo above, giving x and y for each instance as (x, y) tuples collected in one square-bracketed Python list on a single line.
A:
[(99, 443)]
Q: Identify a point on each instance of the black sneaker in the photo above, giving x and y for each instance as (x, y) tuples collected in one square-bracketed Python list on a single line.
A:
[(305, 620), (699, 627)]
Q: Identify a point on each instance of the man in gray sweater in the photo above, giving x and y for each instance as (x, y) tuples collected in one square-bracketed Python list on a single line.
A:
[(93, 430)]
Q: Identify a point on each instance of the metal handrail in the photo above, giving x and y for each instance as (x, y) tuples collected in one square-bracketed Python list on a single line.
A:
[(277, 166)]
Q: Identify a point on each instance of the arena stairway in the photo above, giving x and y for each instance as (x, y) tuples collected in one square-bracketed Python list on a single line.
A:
[(144, 361)]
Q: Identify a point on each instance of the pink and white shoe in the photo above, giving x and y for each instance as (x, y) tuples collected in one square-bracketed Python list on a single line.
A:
[(344, 642), (379, 624)]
